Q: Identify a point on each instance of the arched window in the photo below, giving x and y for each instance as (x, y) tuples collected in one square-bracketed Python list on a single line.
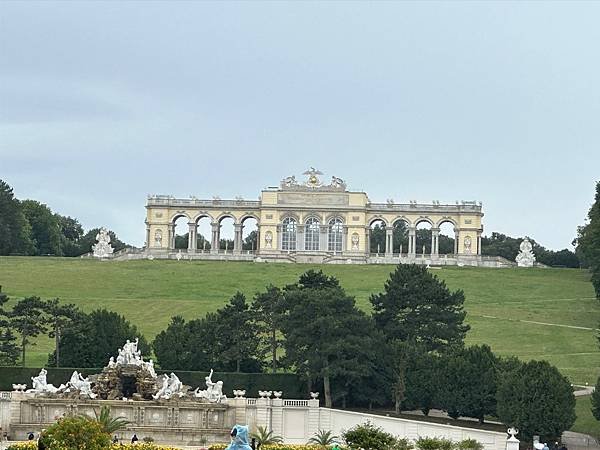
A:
[(288, 234), (311, 234), (335, 235)]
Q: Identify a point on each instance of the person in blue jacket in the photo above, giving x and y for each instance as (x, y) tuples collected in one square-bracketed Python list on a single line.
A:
[(239, 438)]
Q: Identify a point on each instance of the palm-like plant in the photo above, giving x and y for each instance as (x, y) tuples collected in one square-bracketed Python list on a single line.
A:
[(265, 437), (110, 424), (323, 438)]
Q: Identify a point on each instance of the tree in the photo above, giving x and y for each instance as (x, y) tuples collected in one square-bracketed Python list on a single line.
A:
[(15, 231), (266, 311), (468, 384), (596, 400), (110, 424), (323, 330), (71, 232), (59, 317), (422, 378), (9, 349), (237, 338), (27, 318), (91, 339), (176, 335), (323, 438), (536, 399), (45, 228), (417, 307), (250, 242), (264, 437), (377, 238), (588, 242)]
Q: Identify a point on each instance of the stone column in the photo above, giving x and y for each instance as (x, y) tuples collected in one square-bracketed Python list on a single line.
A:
[(323, 241), (479, 242), (368, 241), (435, 241), (237, 240), (214, 243), (262, 413), (277, 416), (412, 242), (171, 237), (389, 241), (300, 238), (456, 241), (192, 237), (313, 424), (147, 236)]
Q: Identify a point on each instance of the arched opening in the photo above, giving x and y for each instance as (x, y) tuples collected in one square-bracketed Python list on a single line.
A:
[(335, 235), (289, 228), (446, 238), (400, 237), (249, 234), (423, 238), (181, 230), (203, 233), (377, 236), (311, 234), (226, 234)]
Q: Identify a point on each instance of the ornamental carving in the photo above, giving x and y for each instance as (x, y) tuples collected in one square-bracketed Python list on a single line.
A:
[(313, 182)]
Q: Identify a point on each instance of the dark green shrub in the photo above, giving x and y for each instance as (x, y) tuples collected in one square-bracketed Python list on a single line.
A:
[(368, 437)]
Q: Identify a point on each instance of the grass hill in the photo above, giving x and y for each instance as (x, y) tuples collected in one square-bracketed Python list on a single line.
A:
[(546, 314)]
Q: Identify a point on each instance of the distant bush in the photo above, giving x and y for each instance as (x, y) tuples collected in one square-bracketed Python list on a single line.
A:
[(428, 443)]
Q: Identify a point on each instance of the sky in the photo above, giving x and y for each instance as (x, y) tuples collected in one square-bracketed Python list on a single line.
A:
[(103, 103)]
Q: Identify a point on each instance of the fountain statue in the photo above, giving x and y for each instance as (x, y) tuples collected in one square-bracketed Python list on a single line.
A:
[(102, 249)]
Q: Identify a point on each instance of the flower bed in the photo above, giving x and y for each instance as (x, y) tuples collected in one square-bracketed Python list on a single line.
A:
[(32, 445)]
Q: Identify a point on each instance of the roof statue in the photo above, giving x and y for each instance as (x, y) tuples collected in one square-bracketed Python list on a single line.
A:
[(102, 248), (312, 183)]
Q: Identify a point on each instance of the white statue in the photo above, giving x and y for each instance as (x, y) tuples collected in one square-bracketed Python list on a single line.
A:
[(170, 386), (149, 366), (468, 244), (158, 238), (40, 384), (111, 362), (355, 241), (338, 183), (269, 239), (289, 182), (129, 355), (83, 385), (102, 249), (525, 258), (213, 392)]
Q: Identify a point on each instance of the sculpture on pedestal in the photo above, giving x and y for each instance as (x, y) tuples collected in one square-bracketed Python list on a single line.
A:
[(102, 248), (80, 385), (213, 392), (525, 258), (40, 384)]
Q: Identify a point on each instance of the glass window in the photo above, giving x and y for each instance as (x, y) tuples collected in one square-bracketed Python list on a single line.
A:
[(335, 235), (288, 234), (311, 234)]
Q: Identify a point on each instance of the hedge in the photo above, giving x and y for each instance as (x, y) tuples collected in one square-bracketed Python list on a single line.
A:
[(291, 384)]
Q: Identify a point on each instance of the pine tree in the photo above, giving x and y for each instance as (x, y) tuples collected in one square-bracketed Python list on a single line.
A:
[(417, 307), (9, 349)]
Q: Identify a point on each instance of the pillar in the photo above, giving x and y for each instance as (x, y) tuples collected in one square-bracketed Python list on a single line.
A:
[(277, 416), (300, 238), (479, 242), (147, 236), (214, 242), (368, 241), (456, 241), (237, 240), (171, 237), (192, 230), (412, 241), (389, 241), (323, 241), (435, 241)]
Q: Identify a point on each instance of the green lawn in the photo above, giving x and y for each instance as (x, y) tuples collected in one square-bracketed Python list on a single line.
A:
[(523, 312), (586, 422)]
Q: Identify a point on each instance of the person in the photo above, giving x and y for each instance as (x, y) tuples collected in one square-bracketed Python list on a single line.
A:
[(115, 439), (134, 439), (239, 438), (41, 445), (253, 444), (30, 436)]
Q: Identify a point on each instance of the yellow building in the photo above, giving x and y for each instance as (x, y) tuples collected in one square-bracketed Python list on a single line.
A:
[(316, 222)]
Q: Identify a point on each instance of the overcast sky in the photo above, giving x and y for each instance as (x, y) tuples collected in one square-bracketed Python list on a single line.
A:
[(104, 103)]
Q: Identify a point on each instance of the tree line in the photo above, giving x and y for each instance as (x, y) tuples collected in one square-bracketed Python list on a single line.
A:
[(409, 353), (588, 242), (28, 227)]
